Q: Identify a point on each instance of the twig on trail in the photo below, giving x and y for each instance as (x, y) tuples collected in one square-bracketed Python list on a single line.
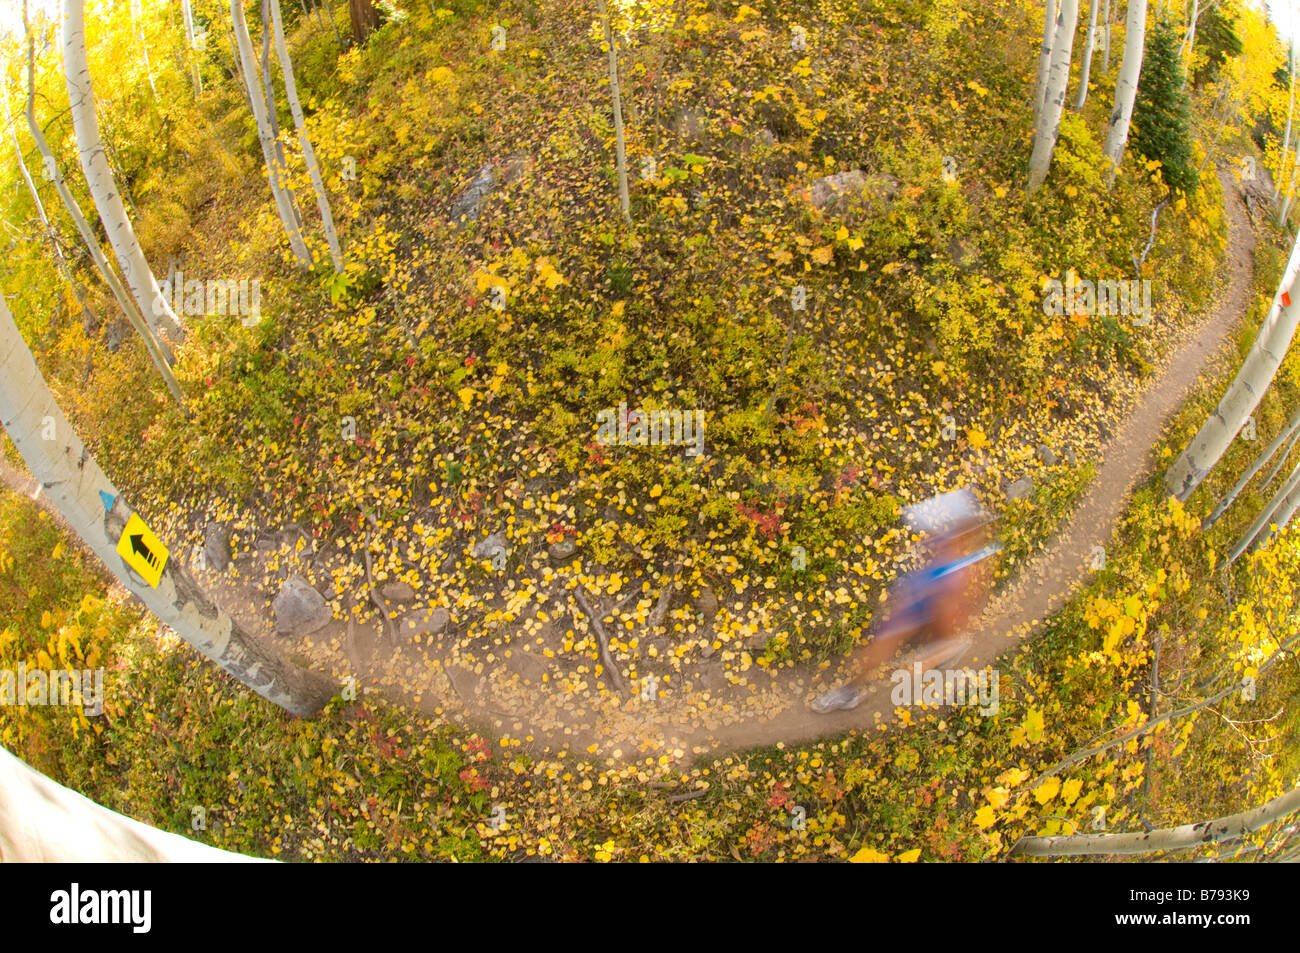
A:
[(602, 640), (660, 611), (689, 795), (370, 584)]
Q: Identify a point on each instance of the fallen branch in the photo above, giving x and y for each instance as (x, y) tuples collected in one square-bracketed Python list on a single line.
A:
[(370, 585), (1230, 828), (660, 611), (602, 640)]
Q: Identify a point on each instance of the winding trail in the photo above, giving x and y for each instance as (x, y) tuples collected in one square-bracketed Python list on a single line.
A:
[(519, 691), (761, 714)]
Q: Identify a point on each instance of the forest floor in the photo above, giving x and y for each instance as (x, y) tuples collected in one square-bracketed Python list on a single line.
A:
[(518, 688), (526, 694)]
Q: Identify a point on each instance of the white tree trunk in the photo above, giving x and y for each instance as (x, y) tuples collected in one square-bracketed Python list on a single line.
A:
[(1290, 111), (1293, 425), (620, 147), (1279, 509), (159, 353), (275, 172), (45, 823), (1190, 43), (1105, 50), (1290, 188), (1045, 56), (1130, 68), (76, 485), (1049, 119), (60, 261), (308, 153), (1256, 373), (1085, 68), (1232, 827), (103, 190), (187, 12)]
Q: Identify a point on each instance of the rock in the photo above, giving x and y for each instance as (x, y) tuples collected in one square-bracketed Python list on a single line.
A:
[(707, 651), (299, 609), (1020, 489), (766, 137), (266, 544), (1047, 455), (488, 548), (426, 622), (468, 203), (397, 591), (1071, 458), (836, 192), (216, 547), (564, 549)]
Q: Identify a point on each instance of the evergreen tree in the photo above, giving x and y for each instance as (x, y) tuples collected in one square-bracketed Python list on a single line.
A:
[(1217, 36), (1162, 123)]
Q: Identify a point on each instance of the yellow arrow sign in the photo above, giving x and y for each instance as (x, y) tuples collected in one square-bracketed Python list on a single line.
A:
[(142, 550)]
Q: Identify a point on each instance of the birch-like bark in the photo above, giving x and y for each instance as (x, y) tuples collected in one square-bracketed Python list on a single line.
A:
[(1049, 119), (104, 191), (1045, 56), (1290, 111), (272, 114), (1105, 50), (137, 21), (1189, 44), (1292, 426), (1130, 68), (160, 354), (187, 12), (1232, 827), (275, 172), (1085, 68), (60, 260), (620, 146), (1279, 509), (1243, 395), (75, 484), (300, 123), (42, 822)]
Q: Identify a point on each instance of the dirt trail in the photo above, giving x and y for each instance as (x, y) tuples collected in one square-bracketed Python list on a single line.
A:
[(514, 684), (1048, 580)]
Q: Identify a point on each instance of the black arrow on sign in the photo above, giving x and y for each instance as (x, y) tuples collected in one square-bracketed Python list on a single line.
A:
[(140, 549)]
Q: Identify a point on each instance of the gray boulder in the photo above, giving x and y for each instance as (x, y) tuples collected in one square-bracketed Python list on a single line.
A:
[(467, 205), (397, 591), (426, 622), (299, 609), (216, 547), (1020, 489), (488, 548)]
